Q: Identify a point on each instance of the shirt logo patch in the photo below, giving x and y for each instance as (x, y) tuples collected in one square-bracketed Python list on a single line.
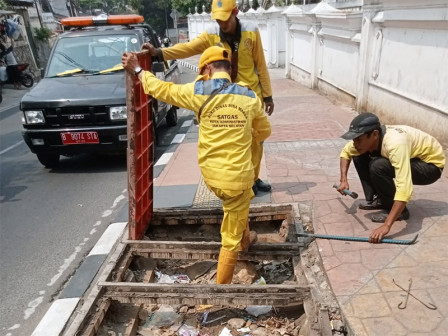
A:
[(248, 43)]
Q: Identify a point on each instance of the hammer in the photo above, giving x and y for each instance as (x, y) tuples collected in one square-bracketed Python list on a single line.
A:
[(352, 194)]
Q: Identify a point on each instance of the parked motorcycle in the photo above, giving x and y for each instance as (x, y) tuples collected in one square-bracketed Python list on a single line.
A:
[(22, 77)]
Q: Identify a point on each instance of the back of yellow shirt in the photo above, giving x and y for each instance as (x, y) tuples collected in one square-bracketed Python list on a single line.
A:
[(401, 144)]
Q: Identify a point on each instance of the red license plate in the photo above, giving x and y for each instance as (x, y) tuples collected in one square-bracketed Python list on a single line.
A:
[(75, 138)]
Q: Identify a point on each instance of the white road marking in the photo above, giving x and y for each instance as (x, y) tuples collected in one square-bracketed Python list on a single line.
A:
[(178, 138), (11, 147), (187, 123), (108, 239), (56, 317), (164, 159), (65, 265), (32, 307)]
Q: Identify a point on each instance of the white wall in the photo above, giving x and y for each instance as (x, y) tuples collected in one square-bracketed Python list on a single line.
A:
[(389, 57)]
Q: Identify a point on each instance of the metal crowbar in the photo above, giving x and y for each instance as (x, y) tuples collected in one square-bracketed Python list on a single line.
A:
[(358, 239)]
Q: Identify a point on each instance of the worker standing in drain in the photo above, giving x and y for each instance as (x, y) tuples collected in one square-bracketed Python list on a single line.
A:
[(230, 117), (248, 62)]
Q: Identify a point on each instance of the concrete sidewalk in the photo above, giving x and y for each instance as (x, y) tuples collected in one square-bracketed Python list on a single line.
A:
[(301, 162)]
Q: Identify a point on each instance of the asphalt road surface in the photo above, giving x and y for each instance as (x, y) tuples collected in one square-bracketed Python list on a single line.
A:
[(51, 218)]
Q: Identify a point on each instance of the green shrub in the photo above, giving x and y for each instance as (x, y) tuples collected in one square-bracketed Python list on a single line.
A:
[(42, 34)]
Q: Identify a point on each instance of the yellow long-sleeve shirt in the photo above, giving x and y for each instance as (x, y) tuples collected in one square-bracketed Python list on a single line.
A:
[(400, 145), (252, 67), (227, 125)]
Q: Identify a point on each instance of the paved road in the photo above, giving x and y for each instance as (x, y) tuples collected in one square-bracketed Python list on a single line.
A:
[(51, 218)]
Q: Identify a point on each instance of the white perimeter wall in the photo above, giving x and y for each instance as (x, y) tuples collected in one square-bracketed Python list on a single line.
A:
[(389, 57)]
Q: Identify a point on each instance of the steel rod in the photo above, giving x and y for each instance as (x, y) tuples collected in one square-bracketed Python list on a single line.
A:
[(358, 239)]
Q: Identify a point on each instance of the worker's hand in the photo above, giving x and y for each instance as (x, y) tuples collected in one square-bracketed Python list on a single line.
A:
[(148, 46), (342, 186), (269, 107), (378, 234), (129, 61)]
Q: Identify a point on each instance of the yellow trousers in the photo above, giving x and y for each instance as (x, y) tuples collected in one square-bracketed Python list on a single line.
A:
[(257, 154), (235, 204)]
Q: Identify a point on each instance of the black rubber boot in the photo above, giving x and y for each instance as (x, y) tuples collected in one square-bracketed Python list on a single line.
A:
[(263, 186)]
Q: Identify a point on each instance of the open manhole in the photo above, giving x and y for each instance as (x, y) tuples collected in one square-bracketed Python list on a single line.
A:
[(166, 285)]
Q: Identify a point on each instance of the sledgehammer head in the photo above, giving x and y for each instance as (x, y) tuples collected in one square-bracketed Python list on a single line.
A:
[(352, 194)]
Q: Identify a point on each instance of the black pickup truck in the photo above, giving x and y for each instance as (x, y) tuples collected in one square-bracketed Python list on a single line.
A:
[(79, 105)]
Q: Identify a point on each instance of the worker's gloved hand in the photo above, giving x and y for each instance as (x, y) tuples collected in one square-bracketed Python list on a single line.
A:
[(148, 46)]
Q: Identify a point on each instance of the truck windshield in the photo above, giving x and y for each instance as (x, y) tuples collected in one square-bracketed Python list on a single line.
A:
[(81, 55)]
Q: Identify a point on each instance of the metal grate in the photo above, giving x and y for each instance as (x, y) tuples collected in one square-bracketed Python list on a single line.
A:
[(205, 198)]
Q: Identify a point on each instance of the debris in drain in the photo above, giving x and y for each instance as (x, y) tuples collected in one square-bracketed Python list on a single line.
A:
[(170, 271), (165, 320)]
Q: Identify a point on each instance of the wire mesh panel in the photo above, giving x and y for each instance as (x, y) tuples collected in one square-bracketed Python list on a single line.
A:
[(140, 157)]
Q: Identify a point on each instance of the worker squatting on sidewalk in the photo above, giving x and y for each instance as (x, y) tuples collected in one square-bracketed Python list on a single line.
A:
[(231, 124), (389, 159)]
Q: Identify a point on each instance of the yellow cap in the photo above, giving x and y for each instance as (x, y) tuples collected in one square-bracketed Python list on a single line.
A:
[(214, 54), (221, 9)]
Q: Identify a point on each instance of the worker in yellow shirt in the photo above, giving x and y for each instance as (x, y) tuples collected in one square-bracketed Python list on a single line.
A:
[(248, 62), (231, 118), (389, 161)]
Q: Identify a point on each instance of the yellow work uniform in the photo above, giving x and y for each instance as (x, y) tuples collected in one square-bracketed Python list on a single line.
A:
[(252, 68), (228, 124), (400, 145)]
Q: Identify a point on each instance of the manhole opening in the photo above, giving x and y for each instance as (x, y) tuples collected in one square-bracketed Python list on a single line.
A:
[(149, 270), (133, 319), (267, 231)]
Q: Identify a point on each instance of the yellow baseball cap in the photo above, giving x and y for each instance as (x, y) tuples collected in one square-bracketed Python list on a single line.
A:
[(222, 9), (214, 54)]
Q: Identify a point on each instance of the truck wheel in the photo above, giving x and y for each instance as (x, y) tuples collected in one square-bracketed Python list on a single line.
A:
[(26, 80), (171, 117), (48, 160)]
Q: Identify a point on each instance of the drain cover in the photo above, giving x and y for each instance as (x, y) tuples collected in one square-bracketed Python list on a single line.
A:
[(205, 198)]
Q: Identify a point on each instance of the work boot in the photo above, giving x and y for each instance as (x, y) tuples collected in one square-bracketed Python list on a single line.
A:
[(249, 238), (255, 189), (263, 186), (381, 217), (226, 264), (371, 205)]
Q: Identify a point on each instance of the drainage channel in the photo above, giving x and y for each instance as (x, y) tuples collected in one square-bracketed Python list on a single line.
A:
[(166, 285)]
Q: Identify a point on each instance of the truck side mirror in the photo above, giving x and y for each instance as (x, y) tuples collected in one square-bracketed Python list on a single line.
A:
[(157, 67)]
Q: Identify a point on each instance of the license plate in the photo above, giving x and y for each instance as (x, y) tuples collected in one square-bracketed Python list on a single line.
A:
[(74, 138)]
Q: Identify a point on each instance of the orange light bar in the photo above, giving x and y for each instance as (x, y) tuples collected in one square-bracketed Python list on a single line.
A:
[(79, 21)]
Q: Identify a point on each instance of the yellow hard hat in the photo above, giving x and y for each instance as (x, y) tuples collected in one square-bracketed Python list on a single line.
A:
[(214, 54), (221, 9)]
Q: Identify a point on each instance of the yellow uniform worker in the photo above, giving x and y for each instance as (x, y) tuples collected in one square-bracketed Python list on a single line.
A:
[(248, 62), (389, 160), (229, 122)]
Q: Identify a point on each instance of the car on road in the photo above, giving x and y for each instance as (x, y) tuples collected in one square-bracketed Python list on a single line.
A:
[(79, 105)]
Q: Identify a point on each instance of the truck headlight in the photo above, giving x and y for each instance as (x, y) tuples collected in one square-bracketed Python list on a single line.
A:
[(118, 112), (34, 117)]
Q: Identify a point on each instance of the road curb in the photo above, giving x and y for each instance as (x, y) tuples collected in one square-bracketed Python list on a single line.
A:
[(56, 318)]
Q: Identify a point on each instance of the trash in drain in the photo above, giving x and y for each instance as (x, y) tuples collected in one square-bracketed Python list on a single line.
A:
[(185, 320), (204, 271)]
